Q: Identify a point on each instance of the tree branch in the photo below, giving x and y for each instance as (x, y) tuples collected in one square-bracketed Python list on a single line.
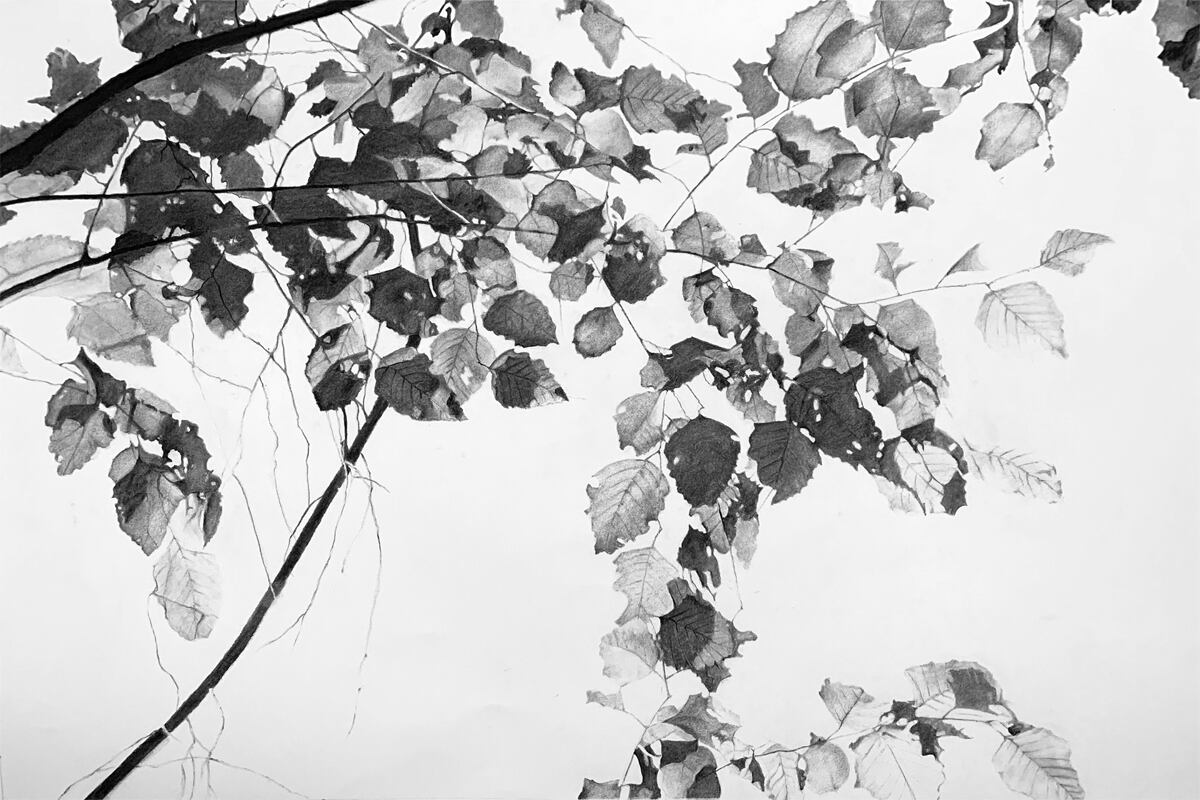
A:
[(23, 153), (193, 701)]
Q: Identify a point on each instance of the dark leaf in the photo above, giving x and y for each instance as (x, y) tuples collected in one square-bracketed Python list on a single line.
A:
[(519, 381), (696, 554), (785, 457), (146, 494), (825, 403), (337, 367), (694, 636), (405, 381), (631, 269), (701, 457), (521, 317), (402, 300), (221, 285), (69, 79)]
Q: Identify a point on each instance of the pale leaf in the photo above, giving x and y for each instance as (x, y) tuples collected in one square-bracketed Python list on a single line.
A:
[(628, 494), (891, 767), (1070, 250), (185, 584), (1037, 764), (642, 576), (1020, 315)]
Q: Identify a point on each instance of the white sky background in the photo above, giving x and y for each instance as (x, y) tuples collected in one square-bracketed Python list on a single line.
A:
[(491, 603)]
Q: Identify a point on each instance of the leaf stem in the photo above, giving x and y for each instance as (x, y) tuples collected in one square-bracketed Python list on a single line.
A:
[(149, 744)]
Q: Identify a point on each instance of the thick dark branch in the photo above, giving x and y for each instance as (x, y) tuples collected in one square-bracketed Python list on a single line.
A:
[(23, 153), (193, 701)]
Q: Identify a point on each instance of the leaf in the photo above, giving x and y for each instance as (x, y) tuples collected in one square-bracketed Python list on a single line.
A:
[(462, 358), (223, 287), (944, 686), (891, 103), (601, 24), (185, 585), (800, 332), (570, 280), (785, 458), (1037, 764), (479, 18), (797, 282), (826, 768), (1009, 130), (521, 317), (726, 308), (794, 56), (889, 266), (798, 158), (642, 576), (685, 361), (39, 255), (69, 79), (402, 300), (701, 457), (1021, 315), (825, 403), (890, 766), (147, 284), (929, 474), (519, 381), (146, 494), (692, 776), (627, 496), (694, 635), (576, 233), (703, 234), (758, 95), (597, 332), (1177, 23), (105, 325), (612, 700), (703, 718), (1055, 38), (404, 379), (10, 359), (73, 443), (782, 778), (910, 24), (909, 328), (653, 103), (1017, 473), (639, 421), (851, 707), (629, 652), (338, 366), (968, 262), (1070, 250), (846, 50), (489, 263), (597, 789)]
